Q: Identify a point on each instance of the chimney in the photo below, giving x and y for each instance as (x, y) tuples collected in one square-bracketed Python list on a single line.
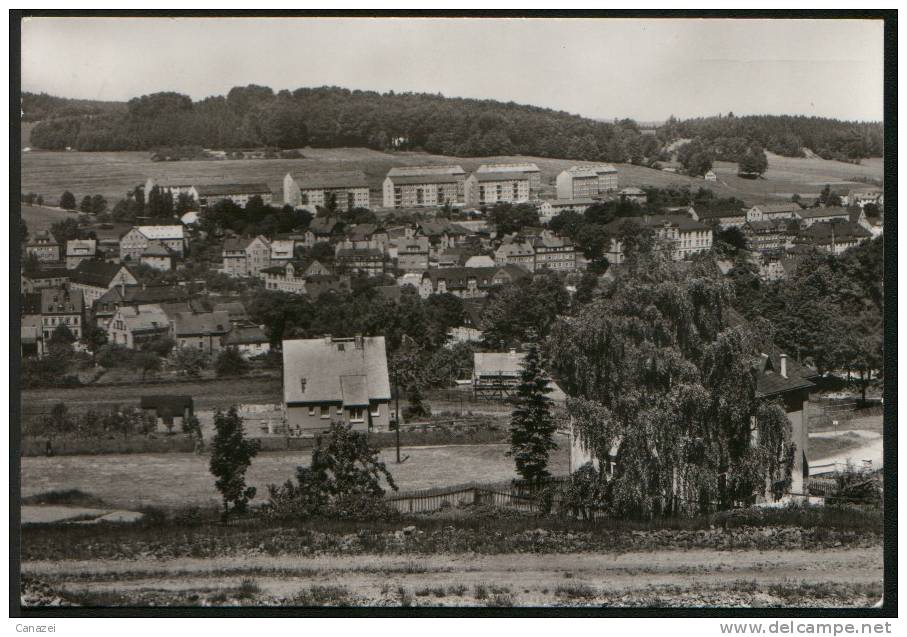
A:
[(784, 365)]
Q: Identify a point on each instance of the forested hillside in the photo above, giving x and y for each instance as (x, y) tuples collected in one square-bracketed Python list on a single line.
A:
[(335, 117), (788, 135)]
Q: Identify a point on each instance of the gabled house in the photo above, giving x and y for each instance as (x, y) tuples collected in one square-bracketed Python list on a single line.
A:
[(553, 253), (44, 247), (78, 250), (469, 283), (634, 195), (94, 278), (368, 261), (293, 276), (157, 256), (336, 379), (248, 340), (203, 331), (809, 216), (132, 326), (282, 251), (134, 295), (412, 253), (245, 256), (134, 242), (44, 278), (770, 211), (516, 250), (323, 229), (835, 237), (62, 306)]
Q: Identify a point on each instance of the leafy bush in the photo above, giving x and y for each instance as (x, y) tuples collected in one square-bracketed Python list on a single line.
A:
[(231, 363)]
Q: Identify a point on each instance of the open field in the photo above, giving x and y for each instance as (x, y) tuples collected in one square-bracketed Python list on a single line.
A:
[(206, 395), (41, 218), (663, 578), (182, 479), (112, 174)]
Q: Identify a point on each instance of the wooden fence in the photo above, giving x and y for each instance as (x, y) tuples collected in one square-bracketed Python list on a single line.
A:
[(514, 495)]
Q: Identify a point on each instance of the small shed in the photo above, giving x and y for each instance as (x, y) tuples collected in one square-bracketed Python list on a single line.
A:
[(171, 411)]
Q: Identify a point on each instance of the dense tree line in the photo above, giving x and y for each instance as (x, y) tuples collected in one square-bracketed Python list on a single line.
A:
[(331, 117), (828, 313), (728, 137), (41, 106)]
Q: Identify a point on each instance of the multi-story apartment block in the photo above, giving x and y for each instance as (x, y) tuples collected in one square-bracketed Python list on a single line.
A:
[(424, 186), (209, 194), (348, 189), (529, 170), (490, 188), (43, 247), (245, 256), (586, 181), (134, 242), (61, 306), (768, 236), (175, 190)]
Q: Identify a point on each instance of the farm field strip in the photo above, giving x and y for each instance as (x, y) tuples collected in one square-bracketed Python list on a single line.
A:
[(173, 480), (112, 174)]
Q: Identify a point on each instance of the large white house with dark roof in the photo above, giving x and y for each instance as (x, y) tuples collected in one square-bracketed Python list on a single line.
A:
[(336, 379)]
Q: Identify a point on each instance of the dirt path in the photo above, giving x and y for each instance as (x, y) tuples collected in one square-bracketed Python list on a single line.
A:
[(529, 579), (869, 451)]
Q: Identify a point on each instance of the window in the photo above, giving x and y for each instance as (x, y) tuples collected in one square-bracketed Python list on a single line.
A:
[(311, 410), (376, 411), (339, 410), (356, 414), (325, 411)]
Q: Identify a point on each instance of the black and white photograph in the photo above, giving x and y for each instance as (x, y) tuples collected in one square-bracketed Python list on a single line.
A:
[(570, 312)]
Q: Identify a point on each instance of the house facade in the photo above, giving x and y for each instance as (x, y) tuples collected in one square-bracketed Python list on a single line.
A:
[(769, 211), (684, 236), (204, 331), (809, 216), (132, 326), (78, 250), (554, 253), (310, 191), (368, 261), (248, 340), (551, 208), (44, 248), (62, 306), (293, 276), (516, 251), (245, 256), (469, 283), (336, 379)]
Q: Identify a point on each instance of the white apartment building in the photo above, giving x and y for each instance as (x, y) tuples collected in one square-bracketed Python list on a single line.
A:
[(424, 186)]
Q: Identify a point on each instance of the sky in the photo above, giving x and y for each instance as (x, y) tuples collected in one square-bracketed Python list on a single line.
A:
[(646, 69)]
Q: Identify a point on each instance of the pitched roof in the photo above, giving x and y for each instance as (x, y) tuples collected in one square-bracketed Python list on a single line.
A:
[(824, 231), (459, 277), (775, 208), (514, 167), (190, 323), (208, 190), (515, 249), (144, 318), (332, 179), (335, 370), (501, 176), (362, 231), (140, 295), (713, 213), (324, 225), (156, 249), (429, 178), (162, 232), (420, 171), (819, 213), (96, 273), (47, 273), (235, 309), (359, 253), (245, 335)]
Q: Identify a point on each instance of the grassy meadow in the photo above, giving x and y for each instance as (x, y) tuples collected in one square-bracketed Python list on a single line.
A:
[(112, 174)]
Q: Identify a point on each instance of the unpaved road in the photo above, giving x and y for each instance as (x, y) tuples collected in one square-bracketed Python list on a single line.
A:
[(870, 451), (528, 579)]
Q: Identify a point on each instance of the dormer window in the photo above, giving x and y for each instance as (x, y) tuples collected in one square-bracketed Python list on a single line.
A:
[(302, 382)]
